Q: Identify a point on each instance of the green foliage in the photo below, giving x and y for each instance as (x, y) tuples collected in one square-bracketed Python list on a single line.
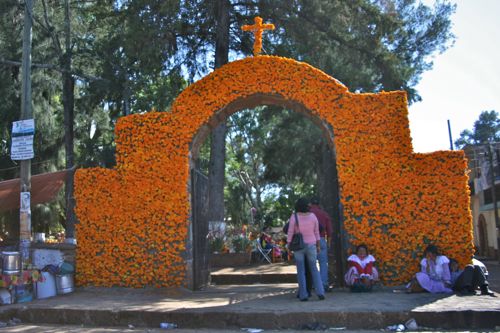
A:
[(270, 163), (10, 84), (485, 130), (135, 56), (291, 149), (240, 244), (216, 244)]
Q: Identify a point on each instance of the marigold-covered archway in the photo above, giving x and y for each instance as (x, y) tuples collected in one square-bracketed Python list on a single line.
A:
[(134, 219)]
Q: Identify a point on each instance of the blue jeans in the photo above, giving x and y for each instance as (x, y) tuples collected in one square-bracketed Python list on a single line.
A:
[(323, 261), (303, 257)]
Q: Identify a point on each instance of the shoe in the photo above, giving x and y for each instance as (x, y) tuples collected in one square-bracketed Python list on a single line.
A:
[(485, 290), (321, 297), (303, 299), (327, 289)]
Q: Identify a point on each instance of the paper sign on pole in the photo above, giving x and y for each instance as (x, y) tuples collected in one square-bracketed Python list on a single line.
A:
[(25, 202), (22, 139)]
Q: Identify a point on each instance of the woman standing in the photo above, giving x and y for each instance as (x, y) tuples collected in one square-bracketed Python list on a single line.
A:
[(434, 276), (306, 223)]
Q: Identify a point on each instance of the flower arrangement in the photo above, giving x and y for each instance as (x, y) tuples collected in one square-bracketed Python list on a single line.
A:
[(134, 219), (233, 239), (216, 244)]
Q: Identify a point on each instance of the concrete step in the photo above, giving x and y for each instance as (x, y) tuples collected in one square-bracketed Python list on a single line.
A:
[(260, 306), (260, 274), (222, 279), (242, 279)]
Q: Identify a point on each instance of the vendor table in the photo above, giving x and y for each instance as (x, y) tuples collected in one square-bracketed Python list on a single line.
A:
[(21, 278)]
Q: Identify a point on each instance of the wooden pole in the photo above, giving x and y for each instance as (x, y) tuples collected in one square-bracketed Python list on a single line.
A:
[(26, 113), (68, 105), (449, 135)]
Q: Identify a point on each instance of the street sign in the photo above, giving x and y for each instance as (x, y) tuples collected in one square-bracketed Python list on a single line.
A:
[(22, 139)]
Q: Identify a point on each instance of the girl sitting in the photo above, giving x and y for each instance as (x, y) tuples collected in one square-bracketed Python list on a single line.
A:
[(361, 274), (434, 276)]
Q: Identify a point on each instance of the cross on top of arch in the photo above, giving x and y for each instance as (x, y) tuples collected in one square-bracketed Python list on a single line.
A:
[(257, 29)]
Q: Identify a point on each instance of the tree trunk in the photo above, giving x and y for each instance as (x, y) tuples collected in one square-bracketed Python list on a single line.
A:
[(216, 173), (326, 182), (68, 104), (328, 188)]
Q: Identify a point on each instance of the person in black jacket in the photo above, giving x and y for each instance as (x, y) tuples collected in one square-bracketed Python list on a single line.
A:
[(466, 281)]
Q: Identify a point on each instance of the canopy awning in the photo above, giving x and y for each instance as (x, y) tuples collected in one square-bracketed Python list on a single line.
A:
[(44, 188)]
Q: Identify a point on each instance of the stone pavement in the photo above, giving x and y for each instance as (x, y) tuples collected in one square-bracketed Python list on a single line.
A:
[(83, 329), (267, 306), (263, 306)]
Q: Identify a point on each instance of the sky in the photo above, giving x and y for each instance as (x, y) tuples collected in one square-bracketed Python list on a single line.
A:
[(465, 79)]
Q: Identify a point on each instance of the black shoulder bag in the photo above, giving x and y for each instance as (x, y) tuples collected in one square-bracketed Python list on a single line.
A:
[(297, 242)]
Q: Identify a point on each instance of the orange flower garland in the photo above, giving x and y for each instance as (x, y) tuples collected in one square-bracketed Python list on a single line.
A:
[(134, 219)]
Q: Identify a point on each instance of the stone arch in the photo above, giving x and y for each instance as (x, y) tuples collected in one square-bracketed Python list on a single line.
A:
[(134, 219)]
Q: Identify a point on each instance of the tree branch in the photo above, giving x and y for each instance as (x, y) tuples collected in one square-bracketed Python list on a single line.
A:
[(50, 29), (76, 74)]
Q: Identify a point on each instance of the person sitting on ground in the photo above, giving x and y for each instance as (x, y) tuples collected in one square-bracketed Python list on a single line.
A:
[(466, 281), (361, 273), (434, 276)]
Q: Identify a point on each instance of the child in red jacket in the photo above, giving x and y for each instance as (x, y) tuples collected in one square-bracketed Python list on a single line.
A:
[(361, 273)]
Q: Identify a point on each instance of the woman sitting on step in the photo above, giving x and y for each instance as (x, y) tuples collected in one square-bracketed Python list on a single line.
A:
[(434, 276), (361, 273)]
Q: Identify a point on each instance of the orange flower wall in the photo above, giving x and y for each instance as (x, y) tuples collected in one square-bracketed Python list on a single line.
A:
[(134, 219)]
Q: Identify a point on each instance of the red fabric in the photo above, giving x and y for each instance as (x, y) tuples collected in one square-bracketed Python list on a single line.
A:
[(358, 266), (367, 270), (44, 188), (324, 220)]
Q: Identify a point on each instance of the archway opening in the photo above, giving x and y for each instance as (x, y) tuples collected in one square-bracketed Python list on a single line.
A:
[(483, 236), (276, 151)]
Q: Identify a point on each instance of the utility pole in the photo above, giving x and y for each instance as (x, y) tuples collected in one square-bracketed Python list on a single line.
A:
[(26, 113), (68, 105), (449, 135)]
